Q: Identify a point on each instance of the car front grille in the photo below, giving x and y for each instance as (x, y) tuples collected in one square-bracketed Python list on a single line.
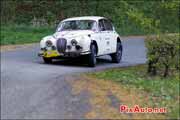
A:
[(61, 45)]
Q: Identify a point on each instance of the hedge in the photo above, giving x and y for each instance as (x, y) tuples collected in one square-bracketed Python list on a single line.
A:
[(163, 54)]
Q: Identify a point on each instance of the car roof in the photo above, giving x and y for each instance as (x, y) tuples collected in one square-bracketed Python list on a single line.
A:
[(96, 18)]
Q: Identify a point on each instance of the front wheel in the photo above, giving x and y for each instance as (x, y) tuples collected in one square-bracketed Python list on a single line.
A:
[(92, 57), (116, 57), (47, 60)]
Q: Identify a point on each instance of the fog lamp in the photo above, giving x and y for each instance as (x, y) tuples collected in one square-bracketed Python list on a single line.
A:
[(73, 42)]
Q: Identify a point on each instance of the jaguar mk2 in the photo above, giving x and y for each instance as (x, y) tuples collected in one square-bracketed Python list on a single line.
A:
[(89, 36)]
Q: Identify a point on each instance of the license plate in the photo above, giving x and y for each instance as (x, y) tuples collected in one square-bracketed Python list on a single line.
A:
[(51, 53)]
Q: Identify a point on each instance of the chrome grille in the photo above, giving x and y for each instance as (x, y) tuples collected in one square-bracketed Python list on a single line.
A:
[(61, 45)]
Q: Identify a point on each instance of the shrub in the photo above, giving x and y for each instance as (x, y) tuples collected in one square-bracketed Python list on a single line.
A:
[(163, 53)]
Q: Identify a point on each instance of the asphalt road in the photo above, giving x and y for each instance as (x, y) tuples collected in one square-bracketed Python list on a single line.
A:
[(32, 89)]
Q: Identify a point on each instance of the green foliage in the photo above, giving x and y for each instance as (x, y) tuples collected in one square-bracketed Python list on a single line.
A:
[(23, 34), (129, 17), (165, 90), (163, 53)]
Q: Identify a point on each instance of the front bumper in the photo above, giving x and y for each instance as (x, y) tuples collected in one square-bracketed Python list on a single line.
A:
[(54, 54), (48, 53)]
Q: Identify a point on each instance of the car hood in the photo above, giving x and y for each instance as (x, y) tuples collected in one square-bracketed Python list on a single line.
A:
[(70, 34)]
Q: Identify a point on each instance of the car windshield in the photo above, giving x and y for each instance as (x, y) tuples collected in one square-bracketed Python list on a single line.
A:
[(77, 25)]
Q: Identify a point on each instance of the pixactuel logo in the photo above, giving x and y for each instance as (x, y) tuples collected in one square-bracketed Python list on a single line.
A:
[(138, 109)]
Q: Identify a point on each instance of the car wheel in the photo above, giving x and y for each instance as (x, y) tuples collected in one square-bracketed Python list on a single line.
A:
[(92, 57), (47, 60), (116, 57)]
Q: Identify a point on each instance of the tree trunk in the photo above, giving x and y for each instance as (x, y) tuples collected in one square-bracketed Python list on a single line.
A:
[(166, 71), (149, 67)]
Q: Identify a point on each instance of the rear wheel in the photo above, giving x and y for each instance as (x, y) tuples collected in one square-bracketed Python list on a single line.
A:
[(47, 60), (92, 56), (116, 57)]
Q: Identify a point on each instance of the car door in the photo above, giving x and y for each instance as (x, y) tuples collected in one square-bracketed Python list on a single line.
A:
[(103, 37), (111, 35), (109, 38)]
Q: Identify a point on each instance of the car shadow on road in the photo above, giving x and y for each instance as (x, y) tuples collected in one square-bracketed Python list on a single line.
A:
[(79, 62)]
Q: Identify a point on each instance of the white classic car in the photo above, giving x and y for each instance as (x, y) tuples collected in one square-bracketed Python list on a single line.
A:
[(90, 36)]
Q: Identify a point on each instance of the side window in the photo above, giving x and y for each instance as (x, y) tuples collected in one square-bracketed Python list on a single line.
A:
[(101, 25), (108, 25)]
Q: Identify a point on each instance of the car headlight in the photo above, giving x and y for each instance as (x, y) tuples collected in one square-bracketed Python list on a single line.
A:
[(48, 43), (73, 42)]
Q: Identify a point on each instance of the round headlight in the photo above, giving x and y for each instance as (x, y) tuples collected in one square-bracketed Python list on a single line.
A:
[(73, 42), (48, 43)]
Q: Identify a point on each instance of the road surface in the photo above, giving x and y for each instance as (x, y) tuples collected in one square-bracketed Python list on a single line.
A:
[(32, 89)]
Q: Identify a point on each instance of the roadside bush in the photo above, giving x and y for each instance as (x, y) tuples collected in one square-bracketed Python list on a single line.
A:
[(163, 54)]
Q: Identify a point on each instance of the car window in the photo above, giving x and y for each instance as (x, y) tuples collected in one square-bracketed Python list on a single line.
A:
[(77, 25), (108, 25), (101, 25)]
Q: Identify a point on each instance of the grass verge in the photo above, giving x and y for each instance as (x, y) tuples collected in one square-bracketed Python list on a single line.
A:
[(160, 92), (129, 86), (21, 34)]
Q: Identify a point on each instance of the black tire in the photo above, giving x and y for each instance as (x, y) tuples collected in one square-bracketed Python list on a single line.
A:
[(117, 56), (47, 60), (92, 56)]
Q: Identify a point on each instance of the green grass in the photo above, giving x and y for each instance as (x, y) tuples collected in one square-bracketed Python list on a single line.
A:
[(165, 89), (20, 34)]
